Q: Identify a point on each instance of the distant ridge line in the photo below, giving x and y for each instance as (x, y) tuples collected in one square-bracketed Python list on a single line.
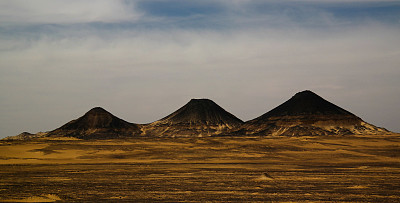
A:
[(304, 114)]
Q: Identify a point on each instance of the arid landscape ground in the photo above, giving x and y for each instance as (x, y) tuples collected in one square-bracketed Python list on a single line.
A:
[(250, 169)]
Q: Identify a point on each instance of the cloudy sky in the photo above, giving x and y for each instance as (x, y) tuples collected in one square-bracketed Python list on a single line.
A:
[(143, 59)]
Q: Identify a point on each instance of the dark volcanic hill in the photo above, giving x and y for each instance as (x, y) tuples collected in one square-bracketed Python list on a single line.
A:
[(199, 117), (306, 113), (97, 124), (306, 103)]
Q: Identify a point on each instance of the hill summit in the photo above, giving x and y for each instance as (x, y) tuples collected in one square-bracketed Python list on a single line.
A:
[(96, 123), (199, 117), (201, 111), (307, 103), (306, 113)]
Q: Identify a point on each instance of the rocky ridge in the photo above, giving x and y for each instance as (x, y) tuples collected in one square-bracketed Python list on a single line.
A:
[(305, 114)]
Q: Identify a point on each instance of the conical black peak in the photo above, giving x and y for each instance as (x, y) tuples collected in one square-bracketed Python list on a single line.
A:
[(97, 118), (306, 103), (96, 110), (97, 123), (201, 111), (197, 118), (306, 113)]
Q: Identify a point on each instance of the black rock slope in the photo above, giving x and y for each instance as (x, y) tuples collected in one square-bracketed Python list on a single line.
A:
[(199, 117), (97, 123), (306, 113), (306, 103)]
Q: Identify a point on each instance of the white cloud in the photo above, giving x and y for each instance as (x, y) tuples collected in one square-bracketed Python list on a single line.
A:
[(62, 11)]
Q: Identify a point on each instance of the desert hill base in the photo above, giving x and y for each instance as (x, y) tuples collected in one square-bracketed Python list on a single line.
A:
[(248, 169)]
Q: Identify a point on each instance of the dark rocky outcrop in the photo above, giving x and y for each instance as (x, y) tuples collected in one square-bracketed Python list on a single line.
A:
[(306, 113), (24, 136), (199, 117), (99, 124)]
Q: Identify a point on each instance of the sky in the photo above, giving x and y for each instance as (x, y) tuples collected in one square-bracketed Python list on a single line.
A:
[(143, 59)]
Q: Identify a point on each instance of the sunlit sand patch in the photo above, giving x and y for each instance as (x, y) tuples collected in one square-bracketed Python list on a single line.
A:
[(303, 178), (23, 150), (358, 187), (363, 167), (118, 197), (60, 138), (107, 152), (42, 198), (264, 177), (58, 179)]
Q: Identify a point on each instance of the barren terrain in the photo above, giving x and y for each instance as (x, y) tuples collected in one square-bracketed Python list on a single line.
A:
[(248, 169)]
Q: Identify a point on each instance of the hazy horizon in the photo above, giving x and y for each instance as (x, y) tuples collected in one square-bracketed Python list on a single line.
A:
[(141, 60)]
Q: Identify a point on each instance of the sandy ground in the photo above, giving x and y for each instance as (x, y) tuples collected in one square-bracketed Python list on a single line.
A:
[(318, 169)]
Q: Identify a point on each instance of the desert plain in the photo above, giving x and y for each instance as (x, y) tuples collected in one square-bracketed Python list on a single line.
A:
[(210, 169)]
